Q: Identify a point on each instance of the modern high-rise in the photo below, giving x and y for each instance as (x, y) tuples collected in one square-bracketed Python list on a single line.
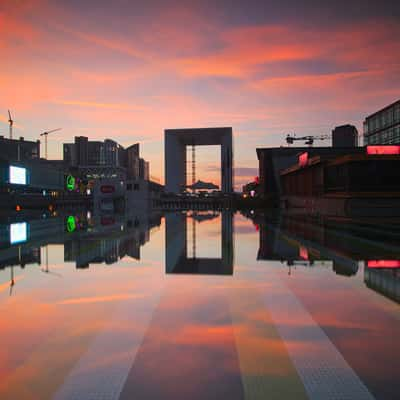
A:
[(144, 172), (132, 161), (19, 149), (84, 152), (383, 127)]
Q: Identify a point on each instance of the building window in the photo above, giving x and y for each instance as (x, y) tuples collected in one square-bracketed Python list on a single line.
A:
[(396, 134), (397, 113), (129, 186)]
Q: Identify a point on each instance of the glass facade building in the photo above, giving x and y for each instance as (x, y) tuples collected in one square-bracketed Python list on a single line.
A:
[(383, 127)]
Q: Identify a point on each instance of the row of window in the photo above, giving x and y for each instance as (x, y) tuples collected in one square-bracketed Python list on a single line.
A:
[(383, 119), (388, 136)]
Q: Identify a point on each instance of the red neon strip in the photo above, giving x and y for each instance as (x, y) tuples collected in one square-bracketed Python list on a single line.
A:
[(303, 252), (303, 159), (383, 264), (383, 150)]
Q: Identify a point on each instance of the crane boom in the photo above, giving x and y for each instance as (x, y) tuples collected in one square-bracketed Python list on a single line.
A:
[(53, 130), (309, 139), (45, 134)]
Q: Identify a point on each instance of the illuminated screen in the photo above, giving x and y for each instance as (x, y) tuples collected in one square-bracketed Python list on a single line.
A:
[(17, 175), (18, 232)]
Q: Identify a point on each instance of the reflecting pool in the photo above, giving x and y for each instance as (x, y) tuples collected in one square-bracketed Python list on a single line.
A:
[(198, 305)]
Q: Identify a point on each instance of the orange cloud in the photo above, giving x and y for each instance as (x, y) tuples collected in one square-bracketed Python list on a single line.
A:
[(152, 74), (100, 299), (117, 106)]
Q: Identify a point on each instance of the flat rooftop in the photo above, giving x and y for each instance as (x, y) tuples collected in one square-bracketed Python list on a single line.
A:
[(200, 136)]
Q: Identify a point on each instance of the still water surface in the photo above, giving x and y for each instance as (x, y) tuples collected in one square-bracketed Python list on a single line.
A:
[(199, 306)]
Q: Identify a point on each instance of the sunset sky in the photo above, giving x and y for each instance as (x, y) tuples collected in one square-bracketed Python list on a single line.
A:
[(127, 70)]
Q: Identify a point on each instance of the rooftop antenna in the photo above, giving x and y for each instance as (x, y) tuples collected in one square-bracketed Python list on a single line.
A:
[(11, 122), (45, 139)]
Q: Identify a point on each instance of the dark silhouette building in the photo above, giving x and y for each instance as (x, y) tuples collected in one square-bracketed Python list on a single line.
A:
[(95, 153), (345, 136), (383, 127), (177, 259), (132, 161), (272, 161), (19, 149), (144, 171), (175, 143)]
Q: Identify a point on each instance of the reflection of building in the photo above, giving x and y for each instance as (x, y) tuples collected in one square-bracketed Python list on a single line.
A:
[(386, 282), (177, 260), (96, 251), (304, 240), (19, 256), (109, 240), (383, 127)]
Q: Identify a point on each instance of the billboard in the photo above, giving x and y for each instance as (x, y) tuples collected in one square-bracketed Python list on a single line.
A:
[(18, 232), (18, 175)]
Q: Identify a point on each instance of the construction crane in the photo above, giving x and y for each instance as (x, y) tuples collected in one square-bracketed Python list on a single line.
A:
[(45, 134), (309, 140), (11, 122)]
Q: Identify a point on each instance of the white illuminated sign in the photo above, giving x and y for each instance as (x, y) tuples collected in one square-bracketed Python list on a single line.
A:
[(17, 175), (18, 232)]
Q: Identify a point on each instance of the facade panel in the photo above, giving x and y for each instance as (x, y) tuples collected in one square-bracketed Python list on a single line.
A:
[(383, 127)]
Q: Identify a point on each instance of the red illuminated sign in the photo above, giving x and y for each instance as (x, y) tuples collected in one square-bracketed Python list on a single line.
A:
[(257, 180), (303, 252), (107, 189), (383, 264), (303, 159), (383, 150)]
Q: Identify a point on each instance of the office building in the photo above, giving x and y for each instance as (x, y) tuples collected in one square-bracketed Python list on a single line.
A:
[(272, 161), (345, 136), (132, 161), (383, 127), (175, 143), (144, 172), (105, 159), (94, 153), (19, 149)]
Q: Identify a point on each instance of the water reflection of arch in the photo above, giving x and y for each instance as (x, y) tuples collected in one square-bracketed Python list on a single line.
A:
[(176, 257)]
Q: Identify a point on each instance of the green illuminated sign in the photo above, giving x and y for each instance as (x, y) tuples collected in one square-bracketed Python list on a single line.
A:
[(71, 224), (70, 182)]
